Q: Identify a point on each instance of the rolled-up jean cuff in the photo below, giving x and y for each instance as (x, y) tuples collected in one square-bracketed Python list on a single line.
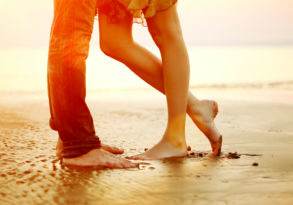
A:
[(72, 149)]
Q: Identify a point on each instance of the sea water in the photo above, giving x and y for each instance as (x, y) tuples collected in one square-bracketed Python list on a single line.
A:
[(25, 69)]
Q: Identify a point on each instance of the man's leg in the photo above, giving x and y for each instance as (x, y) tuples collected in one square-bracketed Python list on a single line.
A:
[(70, 116), (69, 45)]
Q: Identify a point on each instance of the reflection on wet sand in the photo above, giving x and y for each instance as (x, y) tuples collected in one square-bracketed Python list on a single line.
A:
[(259, 172)]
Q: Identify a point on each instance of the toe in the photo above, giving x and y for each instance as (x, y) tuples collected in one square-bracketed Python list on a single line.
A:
[(132, 157), (218, 147), (129, 164), (215, 108), (59, 149), (111, 149), (122, 163), (137, 157)]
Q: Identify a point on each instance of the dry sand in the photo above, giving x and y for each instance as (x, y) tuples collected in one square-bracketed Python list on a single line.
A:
[(253, 121)]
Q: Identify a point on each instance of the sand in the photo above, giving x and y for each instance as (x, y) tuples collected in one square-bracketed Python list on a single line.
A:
[(255, 123)]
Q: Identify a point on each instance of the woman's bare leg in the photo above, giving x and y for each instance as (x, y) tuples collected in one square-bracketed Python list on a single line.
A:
[(166, 33), (117, 42)]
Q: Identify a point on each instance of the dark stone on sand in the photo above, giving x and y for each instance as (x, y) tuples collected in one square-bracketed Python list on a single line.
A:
[(233, 155), (192, 153), (255, 164), (146, 149), (200, 154), (188, 148)]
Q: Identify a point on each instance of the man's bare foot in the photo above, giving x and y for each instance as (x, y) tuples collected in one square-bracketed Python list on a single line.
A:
[(164, 149), (99, 159), (59, 148), (203, 114), (111, 149)]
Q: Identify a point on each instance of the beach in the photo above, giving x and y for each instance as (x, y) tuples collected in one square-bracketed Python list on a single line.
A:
[(255, 122), (240, 54)]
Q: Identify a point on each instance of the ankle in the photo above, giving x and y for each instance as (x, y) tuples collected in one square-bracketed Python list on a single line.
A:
[(191, 108), (192, 100), (175, 140)]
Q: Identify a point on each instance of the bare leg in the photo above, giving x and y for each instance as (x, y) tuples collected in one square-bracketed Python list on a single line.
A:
[(166, 32), (117, 37), (176, 77)]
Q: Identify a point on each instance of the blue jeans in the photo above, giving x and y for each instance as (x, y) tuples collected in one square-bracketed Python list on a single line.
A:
[(69, 46)]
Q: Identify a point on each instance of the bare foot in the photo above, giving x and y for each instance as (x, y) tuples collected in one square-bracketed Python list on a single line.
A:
[(164, 149), (99, 159), (59, 148), (203, 115), (111, 149)]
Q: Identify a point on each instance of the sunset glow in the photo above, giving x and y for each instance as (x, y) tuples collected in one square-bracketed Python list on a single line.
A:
[(25, 28), (27, 23)]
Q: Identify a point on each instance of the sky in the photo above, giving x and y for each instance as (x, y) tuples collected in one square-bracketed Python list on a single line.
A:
[(205, 22)]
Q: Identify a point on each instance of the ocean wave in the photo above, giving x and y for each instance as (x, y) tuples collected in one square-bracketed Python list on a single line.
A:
[(277, 84)]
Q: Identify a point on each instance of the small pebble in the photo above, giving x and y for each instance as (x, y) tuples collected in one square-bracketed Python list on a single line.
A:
[(146, 149), (233, 155), (188, 148), (255, 164)]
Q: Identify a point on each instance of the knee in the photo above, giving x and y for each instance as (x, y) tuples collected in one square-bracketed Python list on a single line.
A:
[(115, 48), (163, 36), (108, 47)]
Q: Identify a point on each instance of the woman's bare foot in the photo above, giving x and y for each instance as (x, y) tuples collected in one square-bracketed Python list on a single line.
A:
[(164, 149), (99, 159), (203, 114), (111, 149)]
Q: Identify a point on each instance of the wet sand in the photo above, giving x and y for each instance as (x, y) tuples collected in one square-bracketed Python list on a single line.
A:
[(256, 123)]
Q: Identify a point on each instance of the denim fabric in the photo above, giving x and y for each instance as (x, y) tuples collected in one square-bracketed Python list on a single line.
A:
[(69, 45)]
